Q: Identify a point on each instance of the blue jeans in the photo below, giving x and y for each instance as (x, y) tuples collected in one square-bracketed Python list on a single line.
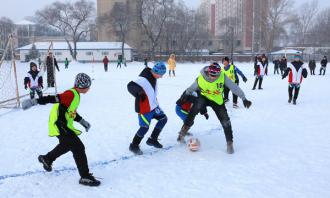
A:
[(145, 120), (181, 113)]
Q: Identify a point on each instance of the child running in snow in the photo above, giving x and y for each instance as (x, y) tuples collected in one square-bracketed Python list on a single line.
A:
[(296, 71), (62, 116), (145, 89), (260, 72), (231, 71), (34, 81)]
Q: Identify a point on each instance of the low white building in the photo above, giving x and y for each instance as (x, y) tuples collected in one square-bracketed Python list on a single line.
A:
[(86, 51)]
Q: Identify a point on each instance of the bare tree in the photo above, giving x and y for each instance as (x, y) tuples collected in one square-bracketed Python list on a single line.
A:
[(321, 28), (152, 16), (6, 28), (304, 19), (274, 24), (118, 21), (72, 19)]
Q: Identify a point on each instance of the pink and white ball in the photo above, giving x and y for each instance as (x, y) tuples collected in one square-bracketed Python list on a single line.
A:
[(194, 144)]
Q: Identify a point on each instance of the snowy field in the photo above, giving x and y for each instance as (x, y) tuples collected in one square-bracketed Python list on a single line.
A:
[(281, 150)]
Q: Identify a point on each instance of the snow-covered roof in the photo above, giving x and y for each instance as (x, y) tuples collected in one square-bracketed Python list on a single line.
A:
[(24, 22), (80, 45), (288, 51)]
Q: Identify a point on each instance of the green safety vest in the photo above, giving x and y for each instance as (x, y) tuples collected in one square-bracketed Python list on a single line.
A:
[(70, 115), (231, 73), (212, 90)]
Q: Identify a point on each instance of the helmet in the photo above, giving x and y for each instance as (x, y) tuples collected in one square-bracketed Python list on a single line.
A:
[(159, 68), (214, 69), (82, 81)]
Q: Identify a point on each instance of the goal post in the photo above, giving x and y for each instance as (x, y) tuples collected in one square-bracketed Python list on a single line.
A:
[(9, 94)]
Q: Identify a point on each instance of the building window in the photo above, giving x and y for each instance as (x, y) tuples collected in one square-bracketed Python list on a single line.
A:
[(58, 53), (105, 53), (89, 53), (210, 43)]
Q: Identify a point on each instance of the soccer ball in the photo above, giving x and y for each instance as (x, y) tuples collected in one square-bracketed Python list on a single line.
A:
[(194, 144)]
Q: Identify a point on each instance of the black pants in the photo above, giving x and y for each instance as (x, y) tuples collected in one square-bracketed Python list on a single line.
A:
[(312, 71), (276, 70), (220, 111), (260, 78), (71, 142), (119, 65), (296, 91), (106, 67), (322, 68), (226, 93), (34, 90), (50, 79), (169, 72)]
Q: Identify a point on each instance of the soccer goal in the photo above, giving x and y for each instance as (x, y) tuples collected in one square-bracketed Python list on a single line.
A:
[(9, 95)]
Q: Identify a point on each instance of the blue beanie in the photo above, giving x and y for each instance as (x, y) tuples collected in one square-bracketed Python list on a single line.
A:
[(159, 68)]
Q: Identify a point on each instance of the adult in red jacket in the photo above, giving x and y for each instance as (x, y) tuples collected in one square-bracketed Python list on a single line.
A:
[(296, 71), (105, 62), (144, 89)]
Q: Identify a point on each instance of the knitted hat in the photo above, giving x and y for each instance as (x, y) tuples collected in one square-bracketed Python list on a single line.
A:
[(159, 68)]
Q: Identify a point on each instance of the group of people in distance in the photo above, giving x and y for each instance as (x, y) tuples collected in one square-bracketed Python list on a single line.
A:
[(210, 89)]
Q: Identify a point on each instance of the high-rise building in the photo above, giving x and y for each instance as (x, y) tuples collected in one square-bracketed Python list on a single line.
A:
[(239, 21)]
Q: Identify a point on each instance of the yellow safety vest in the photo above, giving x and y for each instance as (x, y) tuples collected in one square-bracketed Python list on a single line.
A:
[(212, 90), (231, 73), (70, 115)]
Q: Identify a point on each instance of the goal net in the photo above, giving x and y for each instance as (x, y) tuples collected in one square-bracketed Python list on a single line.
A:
[(9, 96)]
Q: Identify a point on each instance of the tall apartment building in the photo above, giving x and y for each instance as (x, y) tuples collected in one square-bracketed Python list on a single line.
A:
[(240, 19)]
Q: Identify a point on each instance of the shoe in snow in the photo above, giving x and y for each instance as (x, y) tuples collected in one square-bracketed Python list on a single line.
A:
[(294, 102), (89, 180), (290, 99), (230, 148), (183, 132), (154, 143), (135, 149), (235, 105), (189, 134), (46, 164)]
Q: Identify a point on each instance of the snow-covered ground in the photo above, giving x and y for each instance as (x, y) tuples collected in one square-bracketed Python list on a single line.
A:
[(282, 150)]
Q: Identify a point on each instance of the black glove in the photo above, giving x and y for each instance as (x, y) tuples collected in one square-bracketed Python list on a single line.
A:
[(142, 96), (85, 124), (247, 103), (244, 79), (206, 115)]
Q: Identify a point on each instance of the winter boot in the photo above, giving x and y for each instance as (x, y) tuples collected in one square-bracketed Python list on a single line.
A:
[(134, 146), (230, 147), (153, 140), (154, 143), (183, 132), (46, 164), (89, 180), (294, 102)]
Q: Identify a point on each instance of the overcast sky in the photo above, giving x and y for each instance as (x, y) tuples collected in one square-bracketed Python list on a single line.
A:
[(18, 9)]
